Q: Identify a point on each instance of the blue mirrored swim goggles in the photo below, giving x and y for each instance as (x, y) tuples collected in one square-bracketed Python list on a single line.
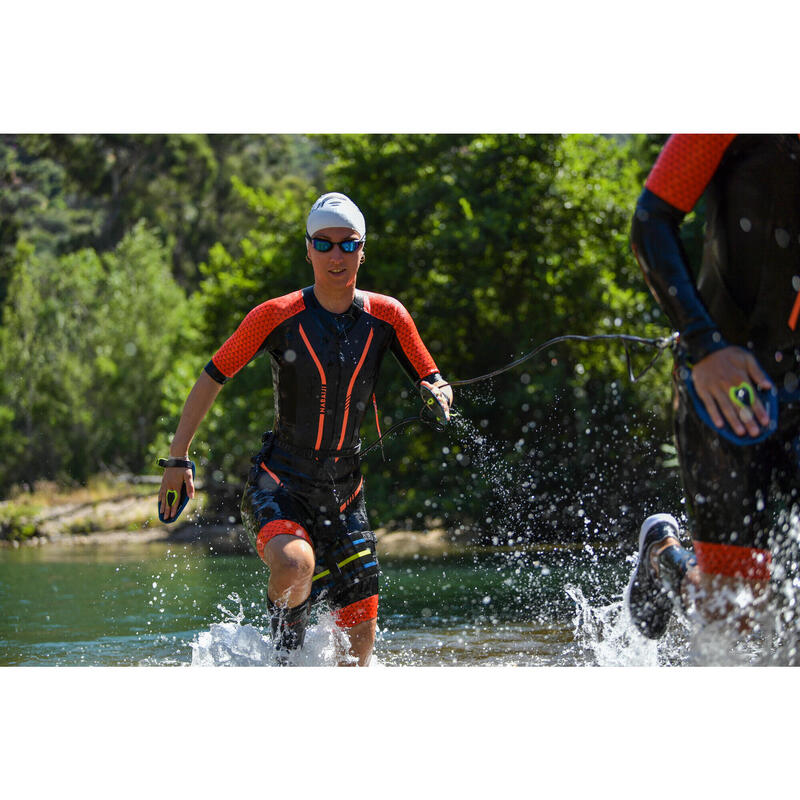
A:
[(326, 245)]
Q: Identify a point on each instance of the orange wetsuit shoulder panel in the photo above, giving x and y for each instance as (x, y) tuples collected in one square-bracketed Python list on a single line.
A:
[(248, 338), (685, 165), (392, 311)]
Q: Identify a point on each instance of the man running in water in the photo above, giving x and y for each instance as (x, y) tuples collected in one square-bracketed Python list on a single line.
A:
[(303, 504), (738, 334)]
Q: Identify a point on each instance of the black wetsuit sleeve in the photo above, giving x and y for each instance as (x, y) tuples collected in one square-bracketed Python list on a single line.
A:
[(656, 242)]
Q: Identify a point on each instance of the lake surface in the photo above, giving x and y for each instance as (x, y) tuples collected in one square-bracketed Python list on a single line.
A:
[(167, 605)]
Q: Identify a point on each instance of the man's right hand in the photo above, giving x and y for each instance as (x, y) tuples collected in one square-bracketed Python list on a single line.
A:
[(717, 374), (173, 480)]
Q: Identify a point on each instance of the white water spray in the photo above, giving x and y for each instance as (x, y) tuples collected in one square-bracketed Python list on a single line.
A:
[(234, 643)]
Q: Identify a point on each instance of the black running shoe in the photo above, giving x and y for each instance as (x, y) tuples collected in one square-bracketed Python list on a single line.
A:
[(648, 600)]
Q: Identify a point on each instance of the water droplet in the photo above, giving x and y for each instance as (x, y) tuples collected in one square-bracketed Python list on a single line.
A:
[(782, 237)]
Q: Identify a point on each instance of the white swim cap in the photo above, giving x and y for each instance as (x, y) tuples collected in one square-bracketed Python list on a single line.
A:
[(335, 210)]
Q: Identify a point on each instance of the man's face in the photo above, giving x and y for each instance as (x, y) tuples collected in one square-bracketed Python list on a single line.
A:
[(335, 269)]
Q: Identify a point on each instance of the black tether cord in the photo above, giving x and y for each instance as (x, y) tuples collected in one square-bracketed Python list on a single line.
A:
[(661, 344), (396, 426)]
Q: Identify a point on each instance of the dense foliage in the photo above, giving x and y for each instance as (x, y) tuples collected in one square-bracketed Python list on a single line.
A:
[(125, 261)]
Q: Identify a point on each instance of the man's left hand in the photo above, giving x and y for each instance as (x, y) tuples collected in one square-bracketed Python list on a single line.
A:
[(443, 394)]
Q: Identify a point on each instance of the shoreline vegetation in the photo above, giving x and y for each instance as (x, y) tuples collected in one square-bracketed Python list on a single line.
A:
[(123, 512)]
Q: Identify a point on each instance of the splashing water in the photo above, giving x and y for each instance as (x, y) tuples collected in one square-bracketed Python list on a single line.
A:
[(752, 630), (785, 618), (509, 484), (608, 638), (234, 643), (607, 634)]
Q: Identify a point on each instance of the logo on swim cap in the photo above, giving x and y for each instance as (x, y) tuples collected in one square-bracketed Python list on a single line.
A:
[(335, 210)]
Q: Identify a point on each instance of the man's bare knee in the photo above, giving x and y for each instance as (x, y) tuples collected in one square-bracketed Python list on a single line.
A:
[(291, 565), (298, 565)]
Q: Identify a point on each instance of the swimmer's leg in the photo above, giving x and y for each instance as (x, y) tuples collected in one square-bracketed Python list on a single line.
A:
[(709, 581), (347, 576), (728, 490), (733, 585), (359, 620), (290, 558), (288, 625), (284, 545), (663, 577)]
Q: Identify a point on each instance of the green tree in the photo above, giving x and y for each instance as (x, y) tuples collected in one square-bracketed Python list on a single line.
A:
[(34, 208), (181, 184), (86, 342), (81, 195)]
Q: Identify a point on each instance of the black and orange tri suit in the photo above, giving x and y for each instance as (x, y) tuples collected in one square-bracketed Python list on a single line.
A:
[(746, 292), (306, 480)]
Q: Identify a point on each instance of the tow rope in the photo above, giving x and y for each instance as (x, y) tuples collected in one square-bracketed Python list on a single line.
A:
[(429, 416)]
